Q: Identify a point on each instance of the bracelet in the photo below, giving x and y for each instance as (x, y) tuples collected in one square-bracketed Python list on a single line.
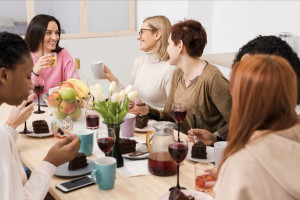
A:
[(37, 75)]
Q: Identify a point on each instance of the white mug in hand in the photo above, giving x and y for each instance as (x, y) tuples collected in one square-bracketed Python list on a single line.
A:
[(98, 69)]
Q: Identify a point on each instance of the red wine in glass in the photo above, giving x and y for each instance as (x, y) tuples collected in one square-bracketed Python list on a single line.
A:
[(179, 114), (92, 121), (38, 89), (25, 131), (179, 111), (106, 140), (178, 150), (106, 144)]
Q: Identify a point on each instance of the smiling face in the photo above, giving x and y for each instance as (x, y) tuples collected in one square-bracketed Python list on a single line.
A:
[(51, 37), (17, 82), (148, 38)]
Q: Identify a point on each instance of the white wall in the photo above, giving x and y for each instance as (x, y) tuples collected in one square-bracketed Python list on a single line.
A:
[(118, 53), (229, 25), (236, 22)]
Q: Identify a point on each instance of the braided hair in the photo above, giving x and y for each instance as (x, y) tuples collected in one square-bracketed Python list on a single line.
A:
[(13, 49)]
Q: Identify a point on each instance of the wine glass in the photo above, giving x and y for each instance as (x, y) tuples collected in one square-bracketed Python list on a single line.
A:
[(178, 149), (179, 111), (26, 131), (38, 89), (106, 139)]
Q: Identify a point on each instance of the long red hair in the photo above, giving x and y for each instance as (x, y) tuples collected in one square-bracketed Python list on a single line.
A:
[(264, 97)]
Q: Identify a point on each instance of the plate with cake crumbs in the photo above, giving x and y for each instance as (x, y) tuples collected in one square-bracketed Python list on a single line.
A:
[(140, 153), (192, 193), (148, 128), (210, 155), (40, 135), (63, 170)]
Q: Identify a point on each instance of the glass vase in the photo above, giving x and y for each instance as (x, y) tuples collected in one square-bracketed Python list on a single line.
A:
[(116, 153)]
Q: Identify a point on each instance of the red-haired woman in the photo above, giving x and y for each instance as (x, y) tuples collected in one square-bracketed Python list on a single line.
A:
[(261, 160), (197, 83)]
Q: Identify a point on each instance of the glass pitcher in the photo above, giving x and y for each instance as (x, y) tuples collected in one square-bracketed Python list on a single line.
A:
[(160, 162)]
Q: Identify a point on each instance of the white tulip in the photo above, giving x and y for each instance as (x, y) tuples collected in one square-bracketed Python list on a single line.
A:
[(122, 95), (132, 94), (113, 87), (128, 89), (96, 88), (115, 97), (99, 96)]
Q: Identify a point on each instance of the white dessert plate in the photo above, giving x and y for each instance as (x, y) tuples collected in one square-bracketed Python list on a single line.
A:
[(40, 135), (63, 170), (148, 128), (139, 147), (196, 194), (210, 155)]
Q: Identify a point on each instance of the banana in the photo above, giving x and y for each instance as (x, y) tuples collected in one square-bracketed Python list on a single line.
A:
[(80, 93), (80, 84)]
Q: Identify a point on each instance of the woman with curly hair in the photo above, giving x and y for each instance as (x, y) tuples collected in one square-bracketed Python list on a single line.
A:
[(274, 46)]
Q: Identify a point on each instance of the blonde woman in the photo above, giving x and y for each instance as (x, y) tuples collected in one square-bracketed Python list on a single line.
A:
[(151, 74)]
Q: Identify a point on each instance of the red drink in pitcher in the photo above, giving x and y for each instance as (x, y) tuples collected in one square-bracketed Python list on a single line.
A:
[(161, 164)]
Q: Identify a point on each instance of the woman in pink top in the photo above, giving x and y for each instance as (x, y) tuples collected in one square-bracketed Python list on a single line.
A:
[(42, 37)]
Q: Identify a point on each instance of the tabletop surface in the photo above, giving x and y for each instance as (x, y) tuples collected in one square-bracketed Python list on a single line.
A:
[(33, 150)]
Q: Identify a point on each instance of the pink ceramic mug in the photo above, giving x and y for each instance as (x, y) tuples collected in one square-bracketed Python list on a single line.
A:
[(128, 126)]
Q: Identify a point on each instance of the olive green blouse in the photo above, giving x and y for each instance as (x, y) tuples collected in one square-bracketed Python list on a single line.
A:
[(207, 97)]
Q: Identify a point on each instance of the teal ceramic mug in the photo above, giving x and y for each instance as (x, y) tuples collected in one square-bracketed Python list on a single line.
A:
[(104, 173), (86, 137)]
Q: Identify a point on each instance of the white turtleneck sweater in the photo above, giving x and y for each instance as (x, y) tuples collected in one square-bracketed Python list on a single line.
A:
[(152, 79)]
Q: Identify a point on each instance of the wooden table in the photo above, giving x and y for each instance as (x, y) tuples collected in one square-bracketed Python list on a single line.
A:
[(147, 187)]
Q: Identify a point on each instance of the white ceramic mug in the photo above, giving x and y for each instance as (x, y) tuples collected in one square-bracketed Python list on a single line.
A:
[(219, 150), (98, 69)]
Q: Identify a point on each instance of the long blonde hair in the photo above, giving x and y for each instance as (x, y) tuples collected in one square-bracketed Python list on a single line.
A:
[(264, 97), (163, 24)]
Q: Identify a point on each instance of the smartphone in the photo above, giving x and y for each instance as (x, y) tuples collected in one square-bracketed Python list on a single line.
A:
[(75, 184)]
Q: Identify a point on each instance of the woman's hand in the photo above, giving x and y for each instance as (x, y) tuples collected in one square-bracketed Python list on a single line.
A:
[(203, 135), (64, 150), (109, 75), (213, 173), (43, 63), (20, 114)]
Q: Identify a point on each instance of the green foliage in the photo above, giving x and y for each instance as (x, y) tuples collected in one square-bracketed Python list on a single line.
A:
[(111, 112)]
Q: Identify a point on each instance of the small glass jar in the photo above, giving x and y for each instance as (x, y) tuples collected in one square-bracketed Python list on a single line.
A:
[(61, 129)]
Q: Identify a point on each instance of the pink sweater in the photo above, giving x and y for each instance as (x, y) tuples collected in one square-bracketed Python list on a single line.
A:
[(65, 69)]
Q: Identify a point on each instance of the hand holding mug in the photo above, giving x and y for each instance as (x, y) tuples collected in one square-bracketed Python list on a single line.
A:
[(44, 62)]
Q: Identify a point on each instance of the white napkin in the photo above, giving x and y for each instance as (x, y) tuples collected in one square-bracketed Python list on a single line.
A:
[(134, 168)]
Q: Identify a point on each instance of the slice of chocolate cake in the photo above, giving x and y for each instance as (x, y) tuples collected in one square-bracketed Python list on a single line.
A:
[(78, 162), (141, 121), (176, 194), (127, 145), (40, 126), (199, 150)]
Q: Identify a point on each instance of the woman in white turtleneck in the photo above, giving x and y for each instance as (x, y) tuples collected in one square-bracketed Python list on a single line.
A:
[(151, 74)]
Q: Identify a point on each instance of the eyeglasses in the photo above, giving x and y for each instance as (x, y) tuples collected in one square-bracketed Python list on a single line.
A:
[(144, 29)]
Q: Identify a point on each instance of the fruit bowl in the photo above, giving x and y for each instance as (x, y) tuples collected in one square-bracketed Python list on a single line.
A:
[(62, 109)]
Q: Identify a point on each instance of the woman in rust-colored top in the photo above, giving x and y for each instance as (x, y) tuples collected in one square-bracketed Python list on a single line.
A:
[(197, 83)]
